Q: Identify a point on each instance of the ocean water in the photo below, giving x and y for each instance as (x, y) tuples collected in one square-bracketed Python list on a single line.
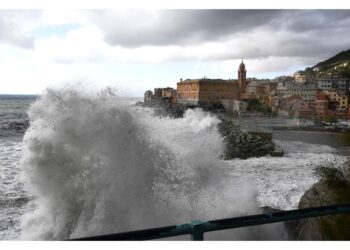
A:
[(93, 163), (13, 197)]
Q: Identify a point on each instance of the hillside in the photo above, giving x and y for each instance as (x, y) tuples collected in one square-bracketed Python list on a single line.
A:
[(343, 56), (339, 64)]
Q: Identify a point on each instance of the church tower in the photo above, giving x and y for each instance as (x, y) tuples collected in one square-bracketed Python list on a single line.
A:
[(242, 77)]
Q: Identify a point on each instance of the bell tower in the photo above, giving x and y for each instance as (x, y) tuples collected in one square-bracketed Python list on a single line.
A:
[(242, 77)]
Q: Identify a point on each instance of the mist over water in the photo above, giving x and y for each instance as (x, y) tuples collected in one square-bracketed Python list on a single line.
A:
[(94, 164)]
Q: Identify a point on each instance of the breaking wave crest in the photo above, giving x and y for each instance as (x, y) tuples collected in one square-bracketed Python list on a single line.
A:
[(95, 165)]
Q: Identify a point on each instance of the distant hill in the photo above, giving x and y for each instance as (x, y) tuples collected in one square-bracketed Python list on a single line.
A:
[(339, 58), (339, 64)]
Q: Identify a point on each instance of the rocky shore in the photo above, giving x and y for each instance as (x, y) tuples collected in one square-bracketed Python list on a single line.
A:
[(238, 143), (241, 144), (333, 188)]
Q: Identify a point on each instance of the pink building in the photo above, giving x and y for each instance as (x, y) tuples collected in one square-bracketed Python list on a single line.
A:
[(301, 109), (295, 106)]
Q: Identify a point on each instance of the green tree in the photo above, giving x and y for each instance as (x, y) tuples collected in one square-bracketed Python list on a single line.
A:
[(256, 105)]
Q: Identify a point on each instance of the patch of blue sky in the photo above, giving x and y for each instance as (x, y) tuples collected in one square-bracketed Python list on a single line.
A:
[(57, 30)]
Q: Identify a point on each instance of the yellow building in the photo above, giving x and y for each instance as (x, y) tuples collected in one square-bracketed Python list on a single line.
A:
[(343, 102), (333, 95)]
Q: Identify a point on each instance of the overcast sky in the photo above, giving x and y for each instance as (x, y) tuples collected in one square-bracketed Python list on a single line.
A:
[(137, 50)]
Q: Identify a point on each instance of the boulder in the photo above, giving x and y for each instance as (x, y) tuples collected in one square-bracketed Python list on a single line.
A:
[(332, 189)]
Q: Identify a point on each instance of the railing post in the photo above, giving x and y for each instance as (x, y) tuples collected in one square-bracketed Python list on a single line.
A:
[(198, 228), (197, 231)]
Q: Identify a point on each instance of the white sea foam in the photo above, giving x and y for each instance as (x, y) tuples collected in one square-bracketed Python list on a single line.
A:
[(96, 165)]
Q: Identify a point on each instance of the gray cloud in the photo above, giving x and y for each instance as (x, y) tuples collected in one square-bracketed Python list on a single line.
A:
[(306, 33), (182, 26), (313, 20), (176, 27)]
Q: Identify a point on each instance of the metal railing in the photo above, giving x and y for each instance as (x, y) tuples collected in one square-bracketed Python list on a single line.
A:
[(197, 228)]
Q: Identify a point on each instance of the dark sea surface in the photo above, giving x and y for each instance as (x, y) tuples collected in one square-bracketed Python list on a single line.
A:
[(13, 114)]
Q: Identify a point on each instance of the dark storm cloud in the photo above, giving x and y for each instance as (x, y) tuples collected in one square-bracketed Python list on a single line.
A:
[(314, 20), (254, 33), (137, 28), (177, 27)]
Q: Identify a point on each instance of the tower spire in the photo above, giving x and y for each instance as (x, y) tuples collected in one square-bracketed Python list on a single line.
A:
[(242, 77)]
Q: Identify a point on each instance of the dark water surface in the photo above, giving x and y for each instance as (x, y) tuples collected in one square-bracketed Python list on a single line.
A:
[(13, 114), (330, 139)]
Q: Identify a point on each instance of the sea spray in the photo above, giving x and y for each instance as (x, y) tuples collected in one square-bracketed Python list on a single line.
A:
[(88, 165), (95, 165)]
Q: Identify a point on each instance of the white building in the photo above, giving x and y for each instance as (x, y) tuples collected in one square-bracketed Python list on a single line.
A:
[(329, 83)]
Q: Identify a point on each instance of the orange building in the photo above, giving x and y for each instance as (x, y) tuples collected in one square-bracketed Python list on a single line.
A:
[(321, 106), (206, 92), (211, 92)]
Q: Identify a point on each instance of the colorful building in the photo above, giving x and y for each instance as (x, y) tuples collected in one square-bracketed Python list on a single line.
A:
[(343, 102), (307, 92), (333, 82), (296, 107), (322, 106), (206, 92), (211, 93)]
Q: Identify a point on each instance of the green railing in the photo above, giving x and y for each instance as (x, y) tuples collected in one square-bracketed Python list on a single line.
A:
[(197, 228)]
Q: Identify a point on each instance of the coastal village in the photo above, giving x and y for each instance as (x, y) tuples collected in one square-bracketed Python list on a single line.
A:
[(313, 95), (316, 99)]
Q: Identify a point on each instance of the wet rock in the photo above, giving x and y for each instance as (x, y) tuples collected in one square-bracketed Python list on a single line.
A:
[(240, 144), (332, 189)]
